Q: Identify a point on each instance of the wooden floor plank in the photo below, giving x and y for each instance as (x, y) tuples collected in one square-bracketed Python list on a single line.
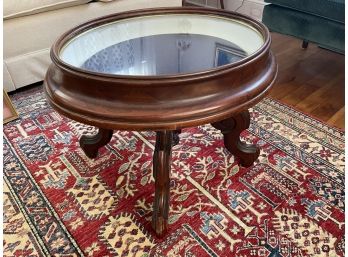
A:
[(325, 95), (337, 119), (298, 94)]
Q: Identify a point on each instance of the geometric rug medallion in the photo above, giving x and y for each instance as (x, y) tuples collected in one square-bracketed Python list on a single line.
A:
[(58, 202)]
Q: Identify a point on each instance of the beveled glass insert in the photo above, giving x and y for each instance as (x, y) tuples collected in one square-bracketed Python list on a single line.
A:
[(162, 45)]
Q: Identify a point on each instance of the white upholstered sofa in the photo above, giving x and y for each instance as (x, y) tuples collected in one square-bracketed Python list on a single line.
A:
[(31, 26)]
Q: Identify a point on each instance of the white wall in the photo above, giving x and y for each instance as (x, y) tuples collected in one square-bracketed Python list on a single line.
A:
[(252, 8)]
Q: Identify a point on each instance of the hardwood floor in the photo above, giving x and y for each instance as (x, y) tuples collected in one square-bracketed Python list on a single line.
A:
[(311, 80)]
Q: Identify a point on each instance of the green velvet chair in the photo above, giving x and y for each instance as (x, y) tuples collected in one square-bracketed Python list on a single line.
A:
[(317, 21)]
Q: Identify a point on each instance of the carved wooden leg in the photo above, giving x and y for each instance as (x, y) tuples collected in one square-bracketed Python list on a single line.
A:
[(161, 167), (176, 137), (231, 129), (91, 144)]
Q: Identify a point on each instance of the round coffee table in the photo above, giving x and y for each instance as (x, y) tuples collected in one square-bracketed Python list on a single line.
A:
[(163, 70)]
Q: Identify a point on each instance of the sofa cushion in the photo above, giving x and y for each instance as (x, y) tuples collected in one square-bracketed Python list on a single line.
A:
[(331, 9), (19, 8)]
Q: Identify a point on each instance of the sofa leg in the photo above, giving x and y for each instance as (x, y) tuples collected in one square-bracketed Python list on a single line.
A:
[(304, 44)]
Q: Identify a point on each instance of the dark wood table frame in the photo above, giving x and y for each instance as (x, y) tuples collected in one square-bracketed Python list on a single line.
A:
[(220, 96)]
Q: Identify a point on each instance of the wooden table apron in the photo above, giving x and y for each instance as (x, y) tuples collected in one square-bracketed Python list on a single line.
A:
[(165, 104)]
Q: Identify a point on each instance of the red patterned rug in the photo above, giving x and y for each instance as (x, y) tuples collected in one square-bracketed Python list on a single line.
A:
[(57, 202)]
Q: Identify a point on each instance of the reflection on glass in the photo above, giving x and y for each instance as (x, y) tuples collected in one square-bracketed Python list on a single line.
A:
[(162, 44), (165, 54)]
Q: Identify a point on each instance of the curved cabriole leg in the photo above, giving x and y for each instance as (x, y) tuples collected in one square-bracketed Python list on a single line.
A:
[(91, 144), (161, 167), (231, 129)]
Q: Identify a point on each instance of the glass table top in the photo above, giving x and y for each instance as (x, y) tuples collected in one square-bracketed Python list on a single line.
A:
[(162, 45)]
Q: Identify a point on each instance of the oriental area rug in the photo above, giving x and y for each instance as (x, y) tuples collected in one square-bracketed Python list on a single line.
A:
[(57, 202)]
